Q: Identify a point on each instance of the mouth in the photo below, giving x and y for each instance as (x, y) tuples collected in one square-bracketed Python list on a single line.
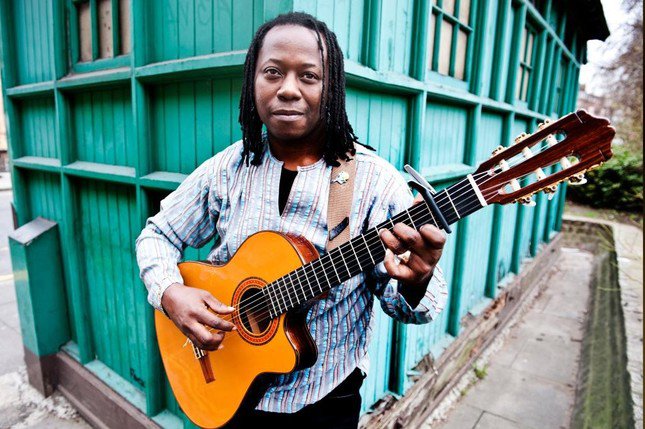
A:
[(287, 115)]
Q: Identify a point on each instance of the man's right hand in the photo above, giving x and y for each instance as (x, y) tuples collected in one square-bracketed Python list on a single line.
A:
[(193, 312)]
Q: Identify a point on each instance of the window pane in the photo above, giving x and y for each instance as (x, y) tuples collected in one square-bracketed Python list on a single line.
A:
[(464, 11), (124, 26), (445, 48), (460, 61), (449, 6), (519, 82), (431, 29), (106, 50), (525, 85), (523, 45), (529, 49), (84, 32)]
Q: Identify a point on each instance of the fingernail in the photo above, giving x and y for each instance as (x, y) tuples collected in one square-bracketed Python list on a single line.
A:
[(221, 346), (234, 328), (231, 308)]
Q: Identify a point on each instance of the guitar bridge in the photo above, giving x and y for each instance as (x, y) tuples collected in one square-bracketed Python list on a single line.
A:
[(204, 362)]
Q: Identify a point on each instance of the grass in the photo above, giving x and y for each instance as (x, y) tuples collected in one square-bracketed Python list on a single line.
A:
[(576, 209)]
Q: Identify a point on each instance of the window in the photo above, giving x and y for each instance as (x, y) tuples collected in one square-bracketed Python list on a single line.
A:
[(102, 29), (527, 63), (449, 32)]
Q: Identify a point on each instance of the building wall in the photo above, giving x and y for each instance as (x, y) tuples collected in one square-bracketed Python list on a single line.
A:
[(108, 118)]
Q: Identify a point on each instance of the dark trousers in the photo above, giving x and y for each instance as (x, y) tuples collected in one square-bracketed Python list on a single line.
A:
[(340, 409)]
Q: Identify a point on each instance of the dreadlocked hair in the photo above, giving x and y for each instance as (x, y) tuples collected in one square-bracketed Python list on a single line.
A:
[(339, 135)]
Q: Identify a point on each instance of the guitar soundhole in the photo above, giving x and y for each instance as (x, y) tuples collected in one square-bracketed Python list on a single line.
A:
[(254, 315)]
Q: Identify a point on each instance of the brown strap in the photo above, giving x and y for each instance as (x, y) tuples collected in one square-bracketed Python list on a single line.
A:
[(341, 190)]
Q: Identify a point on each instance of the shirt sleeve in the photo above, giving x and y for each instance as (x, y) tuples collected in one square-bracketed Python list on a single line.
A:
[(187, 217), (396, 197)]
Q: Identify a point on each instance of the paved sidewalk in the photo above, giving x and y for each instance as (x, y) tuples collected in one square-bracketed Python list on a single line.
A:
[(530, 382)]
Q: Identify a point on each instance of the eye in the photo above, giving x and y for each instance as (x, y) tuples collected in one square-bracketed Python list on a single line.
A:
[(310, 76), (272, 72)]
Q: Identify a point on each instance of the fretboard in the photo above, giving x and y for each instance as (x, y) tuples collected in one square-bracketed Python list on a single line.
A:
[(365, 251)]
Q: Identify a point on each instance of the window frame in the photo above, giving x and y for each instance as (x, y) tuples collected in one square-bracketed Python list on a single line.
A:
[(525, 68), (438, 15), (97, 63)]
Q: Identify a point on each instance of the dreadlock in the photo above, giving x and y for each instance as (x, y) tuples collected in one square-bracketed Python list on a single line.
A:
[(339, 135)]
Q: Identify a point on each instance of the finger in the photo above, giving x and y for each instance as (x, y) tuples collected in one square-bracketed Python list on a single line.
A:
[(205, 339), (433, 236), (392, 242), (396, 270), (410, 237), (216, 305), (207, 317)]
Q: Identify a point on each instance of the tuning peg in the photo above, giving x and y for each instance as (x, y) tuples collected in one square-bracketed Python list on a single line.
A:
[(497, 150), (546, 123), (577, 179), (527, 201), (520, 137), (550, 191)]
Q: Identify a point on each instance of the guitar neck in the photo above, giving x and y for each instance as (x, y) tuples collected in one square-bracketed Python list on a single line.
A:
[(364, 252)]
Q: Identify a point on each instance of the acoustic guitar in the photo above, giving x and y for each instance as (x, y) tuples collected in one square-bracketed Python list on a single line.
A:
[(273, 273)]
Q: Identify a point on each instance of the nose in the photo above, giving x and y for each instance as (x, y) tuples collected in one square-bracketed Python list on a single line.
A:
[(289, 89)]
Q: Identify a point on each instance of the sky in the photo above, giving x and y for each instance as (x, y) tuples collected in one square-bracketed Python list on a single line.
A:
[(615, 17)]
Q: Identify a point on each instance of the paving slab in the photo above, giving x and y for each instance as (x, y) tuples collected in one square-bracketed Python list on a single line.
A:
[(530, 381), (11, 353), (9, 316), (491, 421)]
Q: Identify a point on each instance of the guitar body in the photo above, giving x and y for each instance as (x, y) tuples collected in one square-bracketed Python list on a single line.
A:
[(211, 388)]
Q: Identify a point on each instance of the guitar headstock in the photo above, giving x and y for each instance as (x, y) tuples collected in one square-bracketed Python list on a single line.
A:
[(573, 144)]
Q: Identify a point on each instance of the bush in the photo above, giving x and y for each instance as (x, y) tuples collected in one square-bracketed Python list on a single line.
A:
[(617, 184)]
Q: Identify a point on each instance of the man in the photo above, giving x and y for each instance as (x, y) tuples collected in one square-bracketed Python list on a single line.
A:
[(294, 86)]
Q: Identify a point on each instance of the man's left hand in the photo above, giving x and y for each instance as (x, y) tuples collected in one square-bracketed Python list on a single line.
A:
[(425, 246)]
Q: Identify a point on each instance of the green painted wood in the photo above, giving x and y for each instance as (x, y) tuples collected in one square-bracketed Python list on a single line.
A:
[(503, 29), (102, 127), (519, 21), (381, 121), (37, 120), (345, 18), (129, 129), (40, 289), (445, 135), (395, 36), (181, 149)]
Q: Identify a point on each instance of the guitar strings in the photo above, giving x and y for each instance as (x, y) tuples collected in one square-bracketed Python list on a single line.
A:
[(463, 185), (280, 292), (249, 302)]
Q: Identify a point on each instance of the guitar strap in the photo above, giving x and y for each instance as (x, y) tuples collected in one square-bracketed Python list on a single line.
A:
[(341, 191)]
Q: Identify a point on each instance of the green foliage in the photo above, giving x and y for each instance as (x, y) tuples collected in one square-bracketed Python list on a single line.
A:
[(617, 184), (480, 373)]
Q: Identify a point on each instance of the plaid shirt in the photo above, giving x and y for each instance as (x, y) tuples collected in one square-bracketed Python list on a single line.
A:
[(227, 199)]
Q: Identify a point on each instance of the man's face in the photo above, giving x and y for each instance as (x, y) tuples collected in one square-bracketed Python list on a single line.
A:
[(288, 82)]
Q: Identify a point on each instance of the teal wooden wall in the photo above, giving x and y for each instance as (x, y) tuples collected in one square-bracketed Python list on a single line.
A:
[(96, 145)]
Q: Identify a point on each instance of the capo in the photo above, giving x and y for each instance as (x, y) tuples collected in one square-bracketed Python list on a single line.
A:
[(426, 190)]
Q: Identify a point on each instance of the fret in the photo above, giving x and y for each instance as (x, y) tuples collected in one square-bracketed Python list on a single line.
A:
[(288, 289), (452, 204), (302, 286), (333, 265), (304, 271), (282, 289), (325, 273), (368, 249), (410, 217), (264, 292), (355, 255)]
